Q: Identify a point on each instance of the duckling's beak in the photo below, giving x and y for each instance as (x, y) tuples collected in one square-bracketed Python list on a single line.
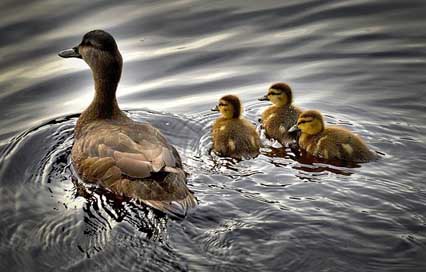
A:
[(264, 98), (294, 128), (216, 108), (70, 53)]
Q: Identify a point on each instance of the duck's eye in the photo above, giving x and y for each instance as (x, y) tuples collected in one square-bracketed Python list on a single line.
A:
[(222, 104), (87, 43), (272, 93)]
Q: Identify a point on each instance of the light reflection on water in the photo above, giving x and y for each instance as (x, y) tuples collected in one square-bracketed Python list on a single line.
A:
[(362, 63)]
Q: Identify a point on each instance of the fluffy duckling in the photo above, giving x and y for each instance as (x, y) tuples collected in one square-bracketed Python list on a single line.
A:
[(282, 115), (233, 135), (330, 142), (130, 158)]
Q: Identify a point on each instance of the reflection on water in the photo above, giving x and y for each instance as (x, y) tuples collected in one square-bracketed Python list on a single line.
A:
[(361, 63)]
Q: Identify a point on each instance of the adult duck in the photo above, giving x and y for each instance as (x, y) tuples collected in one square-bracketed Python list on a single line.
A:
[(110, 149)]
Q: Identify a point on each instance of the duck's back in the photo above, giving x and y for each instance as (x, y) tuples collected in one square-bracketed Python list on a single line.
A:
[(337, 143), (278, 120), (133, 159), (236, 138)]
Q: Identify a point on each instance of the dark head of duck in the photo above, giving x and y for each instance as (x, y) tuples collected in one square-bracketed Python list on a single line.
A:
[(99, 50), (229, 106)]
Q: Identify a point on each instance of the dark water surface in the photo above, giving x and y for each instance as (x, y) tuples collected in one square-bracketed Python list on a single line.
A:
[(362, 63)]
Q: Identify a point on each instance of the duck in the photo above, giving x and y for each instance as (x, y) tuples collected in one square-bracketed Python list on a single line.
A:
[(233, 135), (130, 158), (330, 142), (281, 115)]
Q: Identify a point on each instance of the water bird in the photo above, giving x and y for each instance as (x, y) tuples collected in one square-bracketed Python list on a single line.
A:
[(130, 158), (233, 135), (332, 143), (281, 115)]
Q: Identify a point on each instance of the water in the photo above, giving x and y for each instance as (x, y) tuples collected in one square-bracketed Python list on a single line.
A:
[(362, 63)]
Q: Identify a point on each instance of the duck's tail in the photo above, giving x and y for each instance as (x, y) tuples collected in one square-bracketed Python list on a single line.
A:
[(167, 192), (178, 208)]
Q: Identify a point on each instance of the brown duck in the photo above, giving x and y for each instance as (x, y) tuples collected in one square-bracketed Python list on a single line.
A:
[(234, 136), (110, 149), (282, 115), (334, 143)]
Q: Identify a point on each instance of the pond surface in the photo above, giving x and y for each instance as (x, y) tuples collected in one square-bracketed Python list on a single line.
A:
[(362, 63)]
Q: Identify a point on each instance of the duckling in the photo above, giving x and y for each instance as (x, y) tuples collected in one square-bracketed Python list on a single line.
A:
[(330, 142), (282, 115), (233, 135), (110, 149)]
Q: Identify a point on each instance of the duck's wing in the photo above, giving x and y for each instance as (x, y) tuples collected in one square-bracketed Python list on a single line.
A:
[(154, 145), (136, 160), (139, 150)]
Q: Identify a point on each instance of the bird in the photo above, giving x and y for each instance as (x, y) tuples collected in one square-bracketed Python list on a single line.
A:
[(331, 143), (110, 149), (281, 115), (233, 135)]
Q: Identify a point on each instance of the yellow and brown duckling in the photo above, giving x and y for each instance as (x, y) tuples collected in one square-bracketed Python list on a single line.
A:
[(332, 143), (233, 135), (110, 149), (282, 115)]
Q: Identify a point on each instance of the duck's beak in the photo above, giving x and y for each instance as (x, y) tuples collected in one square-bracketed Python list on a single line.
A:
[(264, 98), (293, 128), (215, 108), (70, 53)]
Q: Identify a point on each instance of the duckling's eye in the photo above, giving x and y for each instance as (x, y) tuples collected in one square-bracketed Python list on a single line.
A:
[(271, 93), (305, 121), (222, 104)]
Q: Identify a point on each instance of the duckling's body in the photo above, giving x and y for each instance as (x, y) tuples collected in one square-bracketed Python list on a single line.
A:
[(110, 149), (278, 120), (333, 143), (234, 136), (282, 115)]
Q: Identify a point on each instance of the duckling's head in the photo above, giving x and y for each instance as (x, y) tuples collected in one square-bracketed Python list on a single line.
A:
[(229, 106), (99, 50), (279, 94), (309, 122)]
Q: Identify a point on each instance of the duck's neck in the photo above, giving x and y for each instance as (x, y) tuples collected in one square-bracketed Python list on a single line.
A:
[(104, 105)]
